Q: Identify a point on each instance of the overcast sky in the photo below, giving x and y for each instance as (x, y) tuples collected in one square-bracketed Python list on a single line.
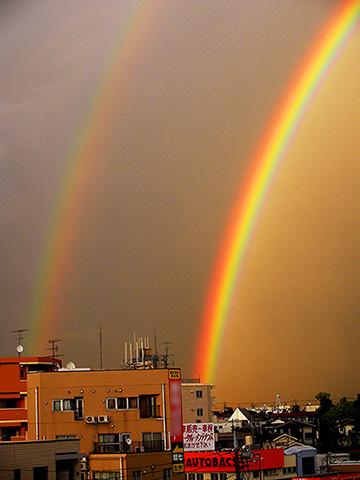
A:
[(195, 96)]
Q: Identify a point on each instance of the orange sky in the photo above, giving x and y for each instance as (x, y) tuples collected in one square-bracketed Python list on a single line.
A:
[(203, 88)]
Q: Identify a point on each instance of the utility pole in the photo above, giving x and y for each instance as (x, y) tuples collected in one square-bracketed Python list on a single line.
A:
[(19, 333), (236, 453), (101, 347), (156, 356), (166, 356)]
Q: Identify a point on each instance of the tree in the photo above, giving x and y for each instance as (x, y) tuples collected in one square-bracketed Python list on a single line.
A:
[(326, 423)]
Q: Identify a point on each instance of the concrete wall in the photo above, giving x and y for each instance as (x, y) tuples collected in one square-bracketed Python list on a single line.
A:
[(27, 455), (191, 403)]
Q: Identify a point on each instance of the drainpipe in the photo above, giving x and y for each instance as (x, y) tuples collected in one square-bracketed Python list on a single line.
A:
[(164, 416), (121, 468), (37, 413)]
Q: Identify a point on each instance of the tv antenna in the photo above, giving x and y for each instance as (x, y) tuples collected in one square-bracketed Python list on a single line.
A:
[(54, 348), (167, 358), (20, 337), (101, 346)]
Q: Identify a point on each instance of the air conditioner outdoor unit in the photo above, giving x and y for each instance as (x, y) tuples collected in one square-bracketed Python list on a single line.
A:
[(90, 419), (103, 419)]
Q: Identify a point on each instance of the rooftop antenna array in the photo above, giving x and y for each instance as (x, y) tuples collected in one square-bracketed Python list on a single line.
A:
[(138, 354)]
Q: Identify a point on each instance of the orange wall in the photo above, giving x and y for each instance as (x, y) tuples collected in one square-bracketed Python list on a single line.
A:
[(94, 387), (151, 465), (10, 383)]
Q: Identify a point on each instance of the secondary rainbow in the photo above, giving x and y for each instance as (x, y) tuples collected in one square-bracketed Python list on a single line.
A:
[(271, 151), (82, 166)]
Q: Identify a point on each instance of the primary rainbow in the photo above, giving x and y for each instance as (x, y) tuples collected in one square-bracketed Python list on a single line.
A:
[(82, 166), (263, 167)]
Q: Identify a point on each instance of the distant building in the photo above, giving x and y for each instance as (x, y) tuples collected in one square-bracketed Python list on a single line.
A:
[(13, 393), (306, 462), (304, 432), (197, 401), (283, 441)]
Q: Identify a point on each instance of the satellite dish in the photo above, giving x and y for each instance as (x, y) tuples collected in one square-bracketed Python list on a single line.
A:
[(70, 366), (19, 348), (128, 441)]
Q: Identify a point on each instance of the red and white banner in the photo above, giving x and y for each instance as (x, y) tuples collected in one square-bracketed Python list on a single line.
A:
[(199, 437)]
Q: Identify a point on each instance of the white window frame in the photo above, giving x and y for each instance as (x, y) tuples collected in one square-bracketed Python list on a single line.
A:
[(127, 407), (61, 404)]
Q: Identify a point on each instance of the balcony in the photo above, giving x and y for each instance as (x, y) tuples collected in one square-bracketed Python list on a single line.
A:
[(111, 447), (152, 446), (135, 447), (13, 415)]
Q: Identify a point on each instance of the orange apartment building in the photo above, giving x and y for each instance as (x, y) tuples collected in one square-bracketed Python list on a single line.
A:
[(126, 420), (13, 393)]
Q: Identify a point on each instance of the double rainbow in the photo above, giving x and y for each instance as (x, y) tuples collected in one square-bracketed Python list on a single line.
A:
[(263, 168)]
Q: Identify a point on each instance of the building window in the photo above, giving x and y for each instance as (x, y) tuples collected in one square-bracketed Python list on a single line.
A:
[(223, 476), (106, 475), (191, 476), (199, 394), (113, 443), (148, 407), (9, 403), (68, 404), (56, 406), (199, 476), (122, 403), (40, 473), (199, 412), (270, 472), (152, 441), (65, 437), (110, 403), (79, 408), (64, 405), (136, 475), (133, 402), (167, 474), (214, 476), (17, 474)]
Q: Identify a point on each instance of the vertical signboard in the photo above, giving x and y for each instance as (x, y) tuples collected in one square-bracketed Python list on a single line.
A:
[(177, 453), (176, 420), (175, 405)]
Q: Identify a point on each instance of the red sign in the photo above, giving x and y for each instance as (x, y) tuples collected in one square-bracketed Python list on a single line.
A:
[(224, 461), (175, 405)]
